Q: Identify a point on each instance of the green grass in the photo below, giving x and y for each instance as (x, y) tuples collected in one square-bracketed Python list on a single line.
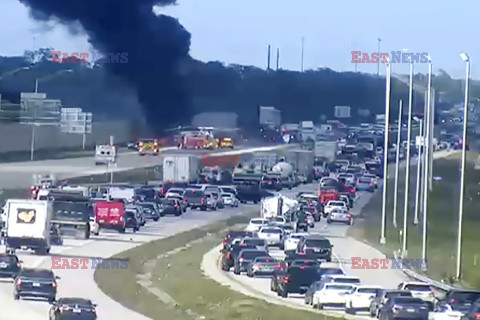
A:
[(442, 222), (180, 277)]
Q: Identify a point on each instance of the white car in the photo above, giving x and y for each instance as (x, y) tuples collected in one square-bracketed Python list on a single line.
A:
[(256, 224), (360, 298), (229, 199), (174, 192), (310, 220), (279, 221), (419, 290), (444, 312), (373, 177), (342, 279), (94, 226), (348, 177), (273, 236), (292, 241), (338, 215), (331, 294), (333, 204)]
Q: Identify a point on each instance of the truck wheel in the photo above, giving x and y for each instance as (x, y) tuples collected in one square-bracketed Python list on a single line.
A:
[(255, 201), (214, 208), (16, 297), (305, 229), (203, 209), (156, 219), (284, 294), (87, 232), (122, 230)]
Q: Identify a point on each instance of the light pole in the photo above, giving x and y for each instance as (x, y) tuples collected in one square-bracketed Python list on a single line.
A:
[(427, 158), (407, 173), (397, 160), (385, 153), (378, 64), (466, 59), (419, 171)]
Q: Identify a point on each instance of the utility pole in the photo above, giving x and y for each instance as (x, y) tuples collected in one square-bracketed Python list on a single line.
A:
[(418, 199), (303, 50), (268, 58), (397, 167), (407, 173), (432, 125), (383, 239), (378, 63), (278, 58)]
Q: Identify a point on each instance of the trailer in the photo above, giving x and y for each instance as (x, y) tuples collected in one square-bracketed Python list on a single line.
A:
[(181, 169)]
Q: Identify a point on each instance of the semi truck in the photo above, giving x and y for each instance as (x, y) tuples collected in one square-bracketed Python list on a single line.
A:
[(28, 225), (325, 151), (180, 169)]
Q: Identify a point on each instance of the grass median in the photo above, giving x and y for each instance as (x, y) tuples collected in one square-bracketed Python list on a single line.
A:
[(442, 226), (178, 289)]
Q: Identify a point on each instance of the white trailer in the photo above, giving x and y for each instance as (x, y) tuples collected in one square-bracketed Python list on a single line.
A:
[(180, 169), (270, 207), (28, 225), (118, 193), (326, 150), (105, 154)]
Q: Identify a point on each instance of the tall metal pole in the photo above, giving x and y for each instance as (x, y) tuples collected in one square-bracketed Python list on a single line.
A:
[(84, 138), (419, 170), (268, 58), (397, 160), (407, 173), (32, 144), (278, 58), (427, 158), (464, 161), (385, 154), (378, 64), (303, 50), (432, 124)]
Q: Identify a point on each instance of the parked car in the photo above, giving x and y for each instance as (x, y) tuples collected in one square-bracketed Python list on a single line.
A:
[(373, 177), (171, 206), (229, 199), (294, 280), (445, 312), (291, 241), (212, 201), (460, 300), (196, 199), (339, 215), (419, 290), (263, 266), (382, 297), (404, 308), (174, 192), (182, 201), (365, 184), (259, 243), (245, 257), (232, 252), (273, 236), (231, 235), (332, 204), (150, 210), (10, 265), (320, 247), (331, 294), (474, 312), (359, 298), (256, 224), (73, 308), (35, 283)]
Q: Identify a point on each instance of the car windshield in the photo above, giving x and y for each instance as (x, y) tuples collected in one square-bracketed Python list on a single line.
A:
[(336, 203), (257, 221), (323, 243), (418, 287), (74, 301), (331, 271), (193, 194), (250, 255), (8, 259), (265, 259), (366, 181), (406, 300), (257, 242), (169, 202), (398, 294), (368, 290), (296, 236), (277, 219), (465, 296), (44, 274), (309, 263), (271, 231), (227, 190), (347, 280), (226, 195), (338, 287)]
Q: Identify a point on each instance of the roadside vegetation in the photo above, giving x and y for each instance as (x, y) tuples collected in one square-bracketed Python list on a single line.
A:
[(177, 287), (442, 220)]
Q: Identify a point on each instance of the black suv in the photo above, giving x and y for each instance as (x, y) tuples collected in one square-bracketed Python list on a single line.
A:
[(231, 235), (73, 308), (245, 257), (196, 199), (460, 300), (404, 308), (36, 283), (9, 265), (474, 312), (295, 279), (319, 247), (230, 254), (382, 297)]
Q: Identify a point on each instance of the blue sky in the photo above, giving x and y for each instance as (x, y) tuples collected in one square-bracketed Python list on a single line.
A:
[(240, 31)]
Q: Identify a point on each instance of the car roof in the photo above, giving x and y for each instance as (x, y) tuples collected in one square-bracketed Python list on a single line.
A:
[(74, 300), (341, 276)]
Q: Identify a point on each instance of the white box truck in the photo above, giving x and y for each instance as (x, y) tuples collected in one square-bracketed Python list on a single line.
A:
[(118, 193), (180, 169), (105, 154), (28, 225)]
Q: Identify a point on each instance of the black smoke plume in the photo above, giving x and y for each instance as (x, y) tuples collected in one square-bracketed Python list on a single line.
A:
[(157, 47)]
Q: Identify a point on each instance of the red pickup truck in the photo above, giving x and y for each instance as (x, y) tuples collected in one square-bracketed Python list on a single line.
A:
[(327, 194), (110, 214)]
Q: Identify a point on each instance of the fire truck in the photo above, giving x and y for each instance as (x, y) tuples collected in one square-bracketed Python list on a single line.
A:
[(148, 146), (200, 139)]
